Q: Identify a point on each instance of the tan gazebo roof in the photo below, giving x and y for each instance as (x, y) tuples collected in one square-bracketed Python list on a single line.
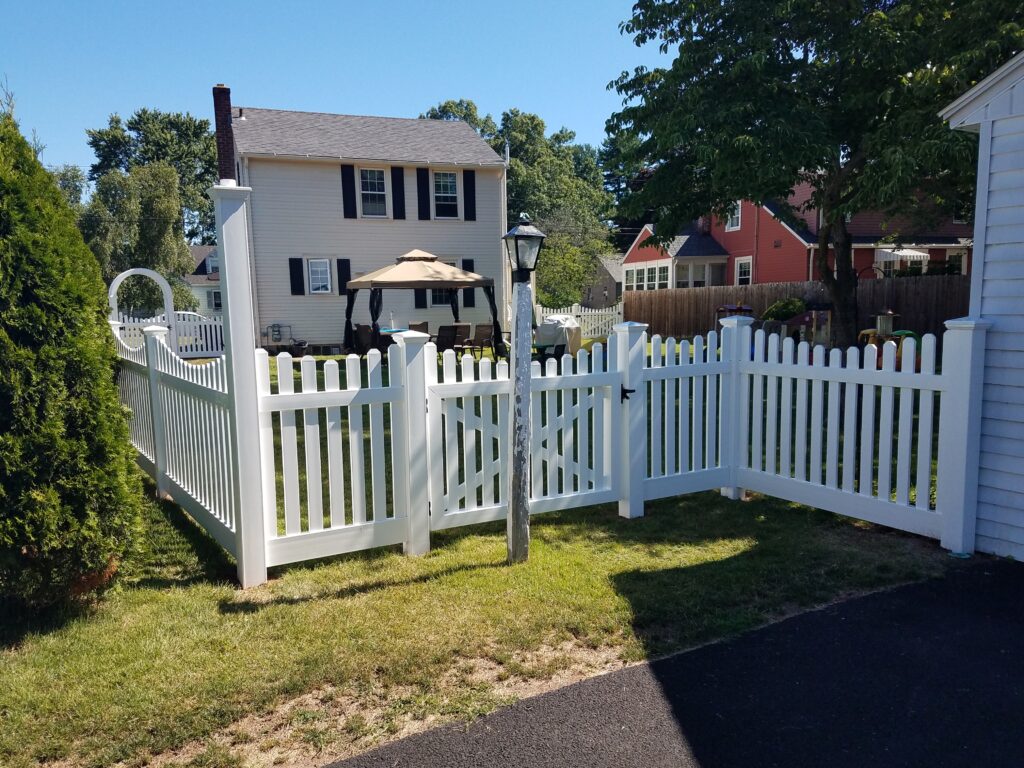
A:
[(419, 269)]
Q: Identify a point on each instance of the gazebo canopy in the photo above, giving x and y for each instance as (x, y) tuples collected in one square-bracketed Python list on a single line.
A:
[(419, 269)]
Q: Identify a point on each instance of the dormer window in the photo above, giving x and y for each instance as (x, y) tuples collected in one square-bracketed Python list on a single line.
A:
[(212, 264), (373, 192), (732, 222), (446, 195)]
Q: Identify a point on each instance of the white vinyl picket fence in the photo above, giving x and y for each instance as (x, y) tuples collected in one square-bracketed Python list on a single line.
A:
[(358, 453), (595, 323), (192, 335)]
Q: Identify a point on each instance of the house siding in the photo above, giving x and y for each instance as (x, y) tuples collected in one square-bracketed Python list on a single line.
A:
[(758, 232), (297, 212), (997, 298)]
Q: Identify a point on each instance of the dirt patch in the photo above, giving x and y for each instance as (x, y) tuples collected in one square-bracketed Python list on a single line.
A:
[(331, 724)]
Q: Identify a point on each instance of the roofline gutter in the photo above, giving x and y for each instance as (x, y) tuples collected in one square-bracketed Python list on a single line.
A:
[(497, 164), (881, 244)]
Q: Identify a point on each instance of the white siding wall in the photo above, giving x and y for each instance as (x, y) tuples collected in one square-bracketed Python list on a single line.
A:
[(297, 212), (999, 298)]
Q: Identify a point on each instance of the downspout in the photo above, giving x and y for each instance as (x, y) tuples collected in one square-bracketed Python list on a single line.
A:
[(757, 244)]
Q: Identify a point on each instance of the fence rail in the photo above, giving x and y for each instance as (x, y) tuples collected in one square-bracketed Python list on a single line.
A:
[(594, 322), (923, 302)]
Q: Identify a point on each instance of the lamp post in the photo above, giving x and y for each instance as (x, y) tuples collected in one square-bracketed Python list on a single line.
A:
[(522, 244)]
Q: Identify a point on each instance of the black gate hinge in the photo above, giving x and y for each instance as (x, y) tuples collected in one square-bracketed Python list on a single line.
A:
[(625, 393)]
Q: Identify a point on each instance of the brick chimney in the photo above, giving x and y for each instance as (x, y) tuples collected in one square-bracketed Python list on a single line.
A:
[(225, 136)]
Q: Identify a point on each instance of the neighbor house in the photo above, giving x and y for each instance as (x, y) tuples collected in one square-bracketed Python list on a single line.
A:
[(337, 196), (605, 286), (758, 244), (205, 279)]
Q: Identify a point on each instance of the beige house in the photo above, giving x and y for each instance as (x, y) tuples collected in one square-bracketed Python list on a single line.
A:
[(337, 196)]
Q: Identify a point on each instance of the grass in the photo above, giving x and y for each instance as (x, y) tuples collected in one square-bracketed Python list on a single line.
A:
[(176, 654)]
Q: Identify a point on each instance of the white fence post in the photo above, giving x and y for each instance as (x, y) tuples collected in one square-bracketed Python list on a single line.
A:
[(731, 402), (153, 335), (413, 440), (231, 209), (630, 355), (963, 368)]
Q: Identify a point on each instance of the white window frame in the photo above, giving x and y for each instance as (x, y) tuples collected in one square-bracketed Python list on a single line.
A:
[(652, 278), (664, 283), (458, 194), (962, 253), (212, 264), (741, 260), (309, 277), (387, 192), (629, 275), (736, 213)]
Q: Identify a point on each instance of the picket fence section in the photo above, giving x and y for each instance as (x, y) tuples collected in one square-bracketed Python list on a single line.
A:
[(192, 335), (595, 322), (375, 451)]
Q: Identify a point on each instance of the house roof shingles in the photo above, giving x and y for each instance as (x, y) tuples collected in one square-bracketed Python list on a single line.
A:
[(354, 137), (690, 243)]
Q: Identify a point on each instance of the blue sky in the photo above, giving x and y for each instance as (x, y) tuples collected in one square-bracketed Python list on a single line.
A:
[(71, 64)]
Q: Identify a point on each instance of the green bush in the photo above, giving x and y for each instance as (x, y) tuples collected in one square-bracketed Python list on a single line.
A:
[(784, 309), (69, 492)]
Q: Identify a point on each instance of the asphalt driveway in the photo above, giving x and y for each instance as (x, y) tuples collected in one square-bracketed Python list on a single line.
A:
[(930, 674)]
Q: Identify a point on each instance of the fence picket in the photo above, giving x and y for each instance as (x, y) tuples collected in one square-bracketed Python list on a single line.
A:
[(905, 433), (335, 450), (786, 412), (289, 447), (671, 411), (551, 431), (711, 419), (885, 433), (924, 429), (451, 434), (537, 457), (356, 454), (685, 409), (585, 399), (378, 489), (435, 435), (802, 361), (772, 429), (757, 408), (469, 436), (311, 442), (835, 361), (654, 388), (567, 454), (867, 425), (850, 430), (817, 413)]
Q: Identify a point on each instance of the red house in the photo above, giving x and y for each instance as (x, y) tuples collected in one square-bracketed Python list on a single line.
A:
[(755, 245)]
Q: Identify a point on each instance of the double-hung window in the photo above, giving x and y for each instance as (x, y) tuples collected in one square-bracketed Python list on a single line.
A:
[(732, 222), (663, 277), (446, 195), (744, 270), (652, 278), (441, 297), (629, 280), (319, 275), (373, 192), (213, 300)]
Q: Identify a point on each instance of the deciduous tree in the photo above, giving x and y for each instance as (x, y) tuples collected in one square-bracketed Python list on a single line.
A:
[(764, 94)]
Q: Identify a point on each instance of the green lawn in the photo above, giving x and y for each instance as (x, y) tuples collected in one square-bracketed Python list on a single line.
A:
[(176, 653)]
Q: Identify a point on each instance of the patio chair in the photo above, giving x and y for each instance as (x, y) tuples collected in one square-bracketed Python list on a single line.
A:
[(445, 338), (481, 339), (463, 331), (421, 327), (556, 351)]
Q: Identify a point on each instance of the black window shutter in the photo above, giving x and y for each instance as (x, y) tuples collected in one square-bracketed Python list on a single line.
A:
[(298, 279), (468, 294), (420, 298), (348, 191), (397, 193), (344, 274), (469, 192), (423, 193)]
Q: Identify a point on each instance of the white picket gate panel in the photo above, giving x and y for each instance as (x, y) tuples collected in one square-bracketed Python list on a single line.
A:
[(683, 383), (571, 462), (858, 440), (594, 322), (330, 452), (197, 337)]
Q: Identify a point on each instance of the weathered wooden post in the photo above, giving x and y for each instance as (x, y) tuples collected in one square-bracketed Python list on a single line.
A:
[(231, 204), (413, 440), (522, 244), (630, 353)]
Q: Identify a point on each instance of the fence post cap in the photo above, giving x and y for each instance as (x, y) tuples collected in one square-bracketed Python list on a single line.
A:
[(155, 330), (736, 321), (416, 337), (968, 324), (630, 327)]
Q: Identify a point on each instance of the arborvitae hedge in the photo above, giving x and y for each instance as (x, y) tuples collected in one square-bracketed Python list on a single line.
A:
[(69, 493)]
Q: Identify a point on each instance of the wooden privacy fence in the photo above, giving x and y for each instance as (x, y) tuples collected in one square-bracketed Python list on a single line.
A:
[(594, 322), (923, 302)]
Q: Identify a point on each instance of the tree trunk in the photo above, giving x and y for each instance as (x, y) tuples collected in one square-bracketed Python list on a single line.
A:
[(840, 279)]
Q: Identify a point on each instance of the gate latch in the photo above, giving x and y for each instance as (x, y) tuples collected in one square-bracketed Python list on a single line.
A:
[(624, 395)]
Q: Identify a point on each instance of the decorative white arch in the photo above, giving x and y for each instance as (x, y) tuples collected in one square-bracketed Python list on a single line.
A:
[(165, 289)]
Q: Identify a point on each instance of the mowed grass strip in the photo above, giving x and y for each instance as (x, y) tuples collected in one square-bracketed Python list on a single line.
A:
[(176, 653)]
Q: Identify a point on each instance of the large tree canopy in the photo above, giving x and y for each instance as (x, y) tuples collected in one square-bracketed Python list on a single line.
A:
[(181, 140), (132, 220), (764, 94)]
